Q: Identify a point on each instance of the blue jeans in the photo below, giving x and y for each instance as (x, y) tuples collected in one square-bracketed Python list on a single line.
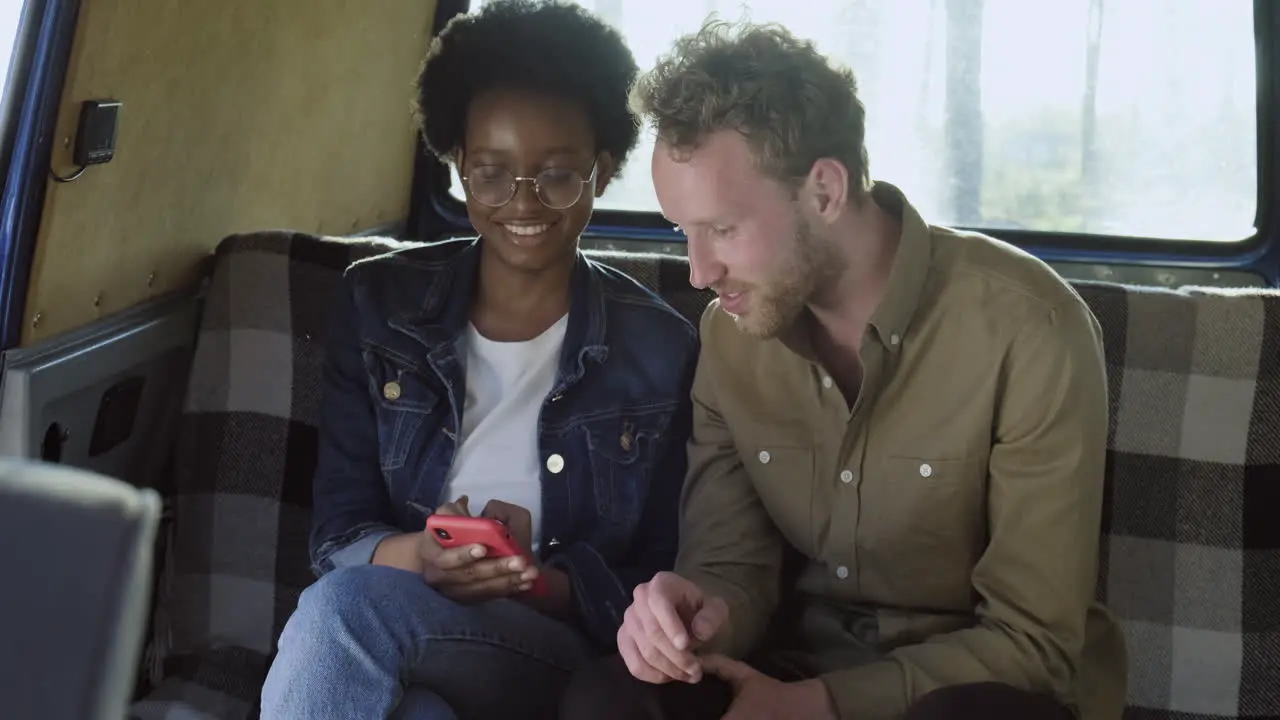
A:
[(376, 642)]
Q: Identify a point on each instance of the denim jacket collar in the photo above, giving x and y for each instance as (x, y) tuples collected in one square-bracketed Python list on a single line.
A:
[(446, 306)]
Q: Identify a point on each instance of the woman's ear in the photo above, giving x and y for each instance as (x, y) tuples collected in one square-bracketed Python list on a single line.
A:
[(605, 170)]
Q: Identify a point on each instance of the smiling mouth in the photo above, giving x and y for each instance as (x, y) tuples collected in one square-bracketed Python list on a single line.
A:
[(733, 302), (528, 230)]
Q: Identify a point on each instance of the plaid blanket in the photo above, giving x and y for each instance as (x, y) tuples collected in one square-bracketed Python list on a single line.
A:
[(1190, 556), (1189, 562)]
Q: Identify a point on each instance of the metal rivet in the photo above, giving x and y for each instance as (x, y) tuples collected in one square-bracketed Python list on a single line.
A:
[(625, 441), (35, 321), (391, 390)]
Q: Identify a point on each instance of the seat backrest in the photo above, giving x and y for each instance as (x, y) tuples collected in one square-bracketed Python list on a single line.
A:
[(1187, 563), (1190, 554), (246, 449), (667, 275), (77, 559)]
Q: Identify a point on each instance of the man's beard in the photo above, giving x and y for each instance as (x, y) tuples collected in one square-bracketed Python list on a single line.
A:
[(775, 303)]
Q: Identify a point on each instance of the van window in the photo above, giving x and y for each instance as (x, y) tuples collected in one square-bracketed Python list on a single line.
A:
[(1124, 118)]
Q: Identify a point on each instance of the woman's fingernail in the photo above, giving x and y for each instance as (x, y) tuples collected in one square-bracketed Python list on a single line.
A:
[(516, 564), (477, 551)]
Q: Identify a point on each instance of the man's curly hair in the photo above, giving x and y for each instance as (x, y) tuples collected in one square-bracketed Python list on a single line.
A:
[(544, 46), (788, 100)]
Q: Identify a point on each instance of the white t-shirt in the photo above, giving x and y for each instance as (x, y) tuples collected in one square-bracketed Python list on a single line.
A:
[(497, 456)]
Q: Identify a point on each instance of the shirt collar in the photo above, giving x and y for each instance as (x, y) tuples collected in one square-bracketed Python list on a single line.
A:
[(907, 276), (910, 269)]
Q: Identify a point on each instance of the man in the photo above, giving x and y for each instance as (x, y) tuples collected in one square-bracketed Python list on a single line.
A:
[(915, 416)]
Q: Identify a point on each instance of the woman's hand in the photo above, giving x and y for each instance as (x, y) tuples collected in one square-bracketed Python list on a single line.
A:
[(558, 598), (464, 574), (517, 519)]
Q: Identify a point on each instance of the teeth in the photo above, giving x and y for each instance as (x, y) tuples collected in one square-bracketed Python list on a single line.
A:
[(528, 229)]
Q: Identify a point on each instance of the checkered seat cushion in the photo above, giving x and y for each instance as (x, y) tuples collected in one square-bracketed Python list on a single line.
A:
[(1190, 554), (1189, 562), (236, 558)]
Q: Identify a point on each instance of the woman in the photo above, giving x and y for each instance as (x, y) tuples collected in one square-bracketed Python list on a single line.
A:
[(507, 375)]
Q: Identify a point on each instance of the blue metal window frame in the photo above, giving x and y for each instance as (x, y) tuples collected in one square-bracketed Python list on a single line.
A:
[(30, 110), (435, 212)]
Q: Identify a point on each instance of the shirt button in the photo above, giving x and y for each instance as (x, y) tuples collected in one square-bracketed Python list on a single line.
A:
[(555, 464), (846, 476), (391, 390), (842, 572), (926, 470), (893, 339), (764, 456), (826, 381)]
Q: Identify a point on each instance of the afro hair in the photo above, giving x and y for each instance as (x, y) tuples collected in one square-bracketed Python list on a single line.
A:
[(546, 46)]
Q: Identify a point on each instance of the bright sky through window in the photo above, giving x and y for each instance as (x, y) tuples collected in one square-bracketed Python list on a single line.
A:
[(1173, 150)]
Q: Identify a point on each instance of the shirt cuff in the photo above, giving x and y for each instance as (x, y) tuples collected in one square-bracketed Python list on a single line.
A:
[(357, 552), (738, 636), (868, 692)]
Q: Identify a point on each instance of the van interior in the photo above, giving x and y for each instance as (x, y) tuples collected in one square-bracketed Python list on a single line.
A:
[(185, 182)]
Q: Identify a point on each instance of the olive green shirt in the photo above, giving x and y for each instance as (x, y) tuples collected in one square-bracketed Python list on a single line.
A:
[(947, 524)]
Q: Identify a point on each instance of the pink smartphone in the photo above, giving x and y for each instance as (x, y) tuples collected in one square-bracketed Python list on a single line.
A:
[(456, 530)]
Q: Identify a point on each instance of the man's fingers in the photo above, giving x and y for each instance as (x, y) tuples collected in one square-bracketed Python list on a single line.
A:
[(636, 664), (656, 646), (707, 621), (731, 671), (669, 620)]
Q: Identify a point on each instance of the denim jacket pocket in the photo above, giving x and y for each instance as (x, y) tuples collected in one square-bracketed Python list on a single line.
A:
[(403, 399), (624, 448)]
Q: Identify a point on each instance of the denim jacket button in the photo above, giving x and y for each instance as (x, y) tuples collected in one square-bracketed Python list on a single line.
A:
[(391, 390), (555, 464)]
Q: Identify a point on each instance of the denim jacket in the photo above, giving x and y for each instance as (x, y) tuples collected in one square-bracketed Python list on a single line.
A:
[(618, 417)]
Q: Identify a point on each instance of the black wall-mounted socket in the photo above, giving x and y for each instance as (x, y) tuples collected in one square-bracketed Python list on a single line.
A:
[(96, 138)]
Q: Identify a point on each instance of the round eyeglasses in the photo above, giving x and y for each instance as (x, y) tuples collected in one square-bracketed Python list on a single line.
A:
[(557, 188)]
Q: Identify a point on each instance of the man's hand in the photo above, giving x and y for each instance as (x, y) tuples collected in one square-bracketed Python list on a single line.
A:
[(669, 618), (464, 574), (757, 696)]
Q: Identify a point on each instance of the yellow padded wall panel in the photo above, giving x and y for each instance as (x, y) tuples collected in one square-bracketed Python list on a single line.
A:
[(238, 115)]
